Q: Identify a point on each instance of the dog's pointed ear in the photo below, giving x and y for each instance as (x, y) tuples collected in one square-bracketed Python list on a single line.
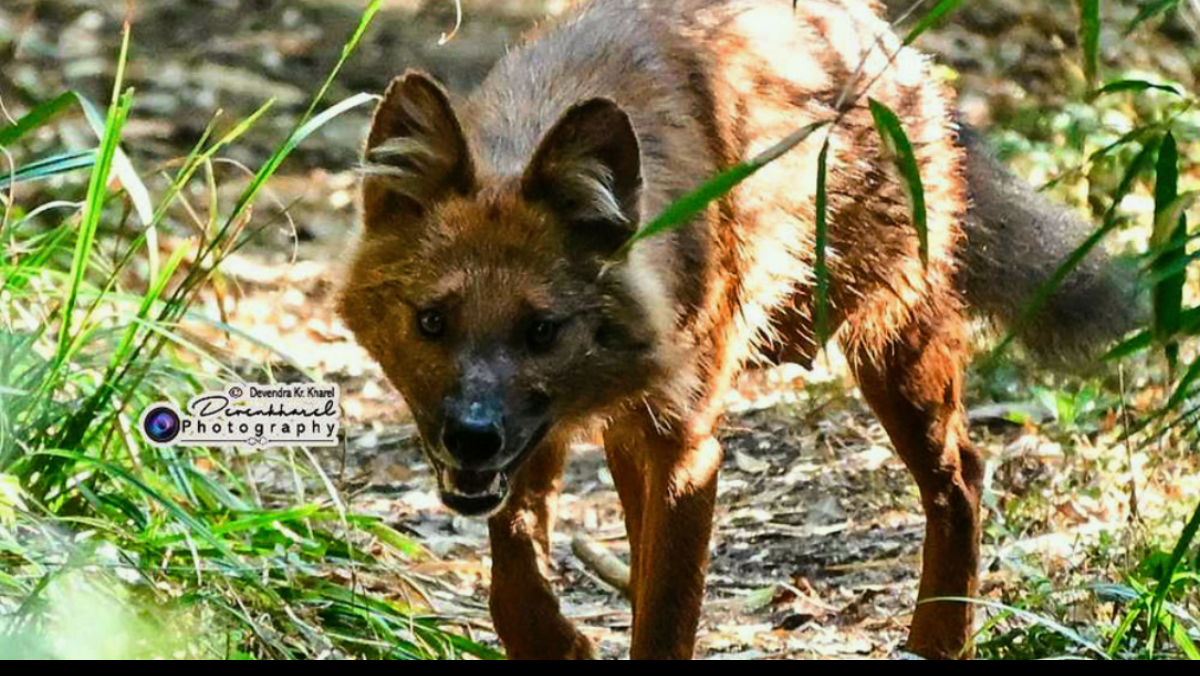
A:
[(417, 154), (588, 170)]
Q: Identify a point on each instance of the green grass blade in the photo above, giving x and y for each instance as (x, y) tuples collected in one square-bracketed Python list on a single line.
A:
[(1179, 634), (1184, 389), (1130, 346), (1089, 39), (896, 141), (821, 266), (258, 520), (122, 167), (1137, 86), (97, 193), (130, 181), (1168, 242), (939, 12), (1189, 325), (152, 296), (1131, 616), (682, 211), (49, 167), (1148, 11), (35, 119), (16, 278), (1164, 585), (394, 538)]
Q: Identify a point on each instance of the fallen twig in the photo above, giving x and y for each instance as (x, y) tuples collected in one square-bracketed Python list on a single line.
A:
[(599, 560)]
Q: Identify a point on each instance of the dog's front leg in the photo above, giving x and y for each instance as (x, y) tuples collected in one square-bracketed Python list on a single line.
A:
[(679, 487), (524, 609)]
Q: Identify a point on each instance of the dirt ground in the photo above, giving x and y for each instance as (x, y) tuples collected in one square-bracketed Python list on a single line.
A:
[(819, 529)]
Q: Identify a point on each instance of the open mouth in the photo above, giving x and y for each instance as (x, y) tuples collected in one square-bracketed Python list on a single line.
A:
[(472, 493)]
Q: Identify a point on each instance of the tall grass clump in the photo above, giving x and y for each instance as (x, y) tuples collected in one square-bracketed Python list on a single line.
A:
[(112, 548)]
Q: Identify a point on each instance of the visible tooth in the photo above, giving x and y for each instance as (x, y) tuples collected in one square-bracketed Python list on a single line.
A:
[(497, 483)]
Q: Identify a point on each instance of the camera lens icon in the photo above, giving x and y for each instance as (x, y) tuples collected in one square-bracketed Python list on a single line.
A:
[(162, 425)]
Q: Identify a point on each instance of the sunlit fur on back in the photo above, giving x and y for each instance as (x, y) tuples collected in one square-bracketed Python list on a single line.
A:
[(488, 282)]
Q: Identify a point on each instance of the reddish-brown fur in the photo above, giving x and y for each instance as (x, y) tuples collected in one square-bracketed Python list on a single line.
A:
[(508, 206)]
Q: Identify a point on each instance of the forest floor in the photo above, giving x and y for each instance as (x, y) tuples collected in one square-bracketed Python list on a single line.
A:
[(819, 528)]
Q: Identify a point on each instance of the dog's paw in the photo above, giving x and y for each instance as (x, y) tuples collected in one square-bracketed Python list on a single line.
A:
[(565, 646), (582, 649)]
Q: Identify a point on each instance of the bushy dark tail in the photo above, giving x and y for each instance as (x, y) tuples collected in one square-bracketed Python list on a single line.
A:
[(1016, 239)]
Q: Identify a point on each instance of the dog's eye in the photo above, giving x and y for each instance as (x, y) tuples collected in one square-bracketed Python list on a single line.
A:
[(542, 335), (432, 324)]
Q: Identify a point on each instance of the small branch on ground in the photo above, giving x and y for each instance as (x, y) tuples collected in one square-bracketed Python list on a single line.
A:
[(596, 558)]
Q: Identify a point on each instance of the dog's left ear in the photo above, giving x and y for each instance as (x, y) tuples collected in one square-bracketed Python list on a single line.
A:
[(588, 169)]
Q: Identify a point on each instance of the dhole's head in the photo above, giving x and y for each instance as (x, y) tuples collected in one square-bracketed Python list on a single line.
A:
[(486, 296)]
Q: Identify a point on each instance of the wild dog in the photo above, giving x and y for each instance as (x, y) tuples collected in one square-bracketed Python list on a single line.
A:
[(487, 282)]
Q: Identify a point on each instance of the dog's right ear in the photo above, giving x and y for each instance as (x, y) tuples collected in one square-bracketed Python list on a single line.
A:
[(588, 169), (416, 155)]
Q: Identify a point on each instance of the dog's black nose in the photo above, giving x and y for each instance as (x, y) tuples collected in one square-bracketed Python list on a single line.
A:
[(474, 437)]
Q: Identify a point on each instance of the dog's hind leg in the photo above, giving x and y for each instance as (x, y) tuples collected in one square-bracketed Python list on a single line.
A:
[(913, 381), (524, 608)]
